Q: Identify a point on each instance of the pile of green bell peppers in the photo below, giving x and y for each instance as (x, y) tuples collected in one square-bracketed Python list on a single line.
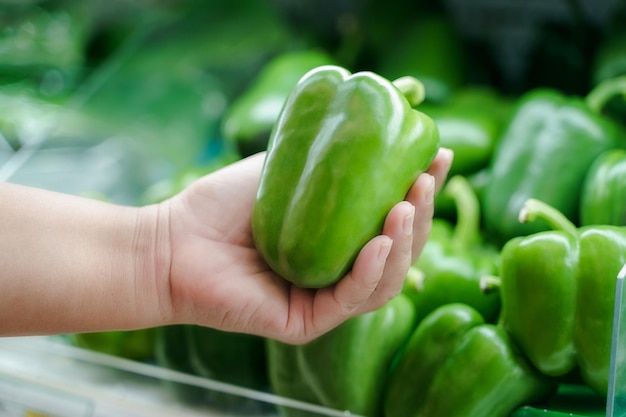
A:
[(342, 149)]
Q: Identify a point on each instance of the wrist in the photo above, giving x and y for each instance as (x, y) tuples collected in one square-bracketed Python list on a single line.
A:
[(152, 257)]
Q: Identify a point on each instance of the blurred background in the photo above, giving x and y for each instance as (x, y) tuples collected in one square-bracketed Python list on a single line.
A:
[(130, 100)]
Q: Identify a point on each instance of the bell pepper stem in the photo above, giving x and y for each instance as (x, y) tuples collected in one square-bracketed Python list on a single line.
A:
[(489, 284), (415, 278), (412, 88), (537, 209), (597, 98), (467, 229)]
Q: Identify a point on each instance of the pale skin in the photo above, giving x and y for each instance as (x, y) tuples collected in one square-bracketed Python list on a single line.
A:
[(71, 264)]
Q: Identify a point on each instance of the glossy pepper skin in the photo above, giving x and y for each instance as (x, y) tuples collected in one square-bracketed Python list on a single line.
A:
[(535, 159), (348, 367), (454, 260), (427, 349), (345, 149), (456, 365), (603, 199), (249, 120), (558, 292)]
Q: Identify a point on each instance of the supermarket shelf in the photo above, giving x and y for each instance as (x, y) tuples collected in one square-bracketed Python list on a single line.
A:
[(45, 375)]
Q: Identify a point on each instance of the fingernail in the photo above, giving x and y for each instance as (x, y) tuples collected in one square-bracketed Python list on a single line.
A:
[(429, 188), (384, 250), (407, 223), (449, 152)]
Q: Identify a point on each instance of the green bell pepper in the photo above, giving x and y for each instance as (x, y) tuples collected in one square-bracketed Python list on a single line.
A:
[(454, 259), (348, 367), (470, 124), (226, 357), (558, 291), (234, 358), (456, 365), (251, 117), (345, 149), (570, 400), (603, 199), (544, 153), (171, 351), (285, 379)]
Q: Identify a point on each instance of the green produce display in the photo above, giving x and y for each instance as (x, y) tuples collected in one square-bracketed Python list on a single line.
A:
[(172, 352), (235, 358), (470, 123), (454, 260), (456, 365), (558, 292), (544, 153), (44, 44), (225, 357), (603, 199), (429, 49), (131, 344), (250, 118), (347, 368), (571, 400), (508, 310), (327, 184)]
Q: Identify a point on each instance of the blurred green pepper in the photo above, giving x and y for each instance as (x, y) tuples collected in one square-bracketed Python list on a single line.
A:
[(234, 358), (348, 367), (603, 199), (131, 344), (249, 120), (231, 358), (455, 365), (470, 123), (544, 153)]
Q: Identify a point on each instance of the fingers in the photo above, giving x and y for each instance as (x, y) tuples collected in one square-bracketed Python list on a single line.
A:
[(422, 195), (408, 225), (440, 167), (333, 305), (399, 227)]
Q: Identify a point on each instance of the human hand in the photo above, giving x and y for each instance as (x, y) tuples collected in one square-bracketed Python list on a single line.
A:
[(218, 279)]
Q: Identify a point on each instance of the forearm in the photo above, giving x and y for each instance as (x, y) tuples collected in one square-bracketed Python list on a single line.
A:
[(71, 264)]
